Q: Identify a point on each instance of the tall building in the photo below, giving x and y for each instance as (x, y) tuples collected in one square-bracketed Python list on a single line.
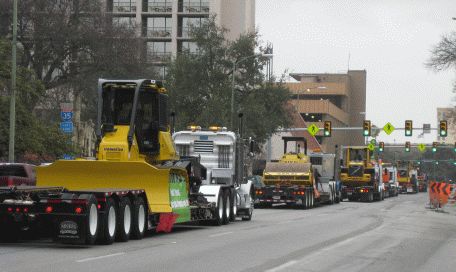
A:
[(339, 98), (165, 24), (447, 114)]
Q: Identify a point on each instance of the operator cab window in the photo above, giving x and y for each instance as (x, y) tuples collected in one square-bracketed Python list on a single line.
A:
[(146, 123), (117, 106)]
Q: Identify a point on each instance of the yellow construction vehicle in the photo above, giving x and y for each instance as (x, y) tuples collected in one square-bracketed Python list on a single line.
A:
[(360, 175), (136, 182), (293, 181)]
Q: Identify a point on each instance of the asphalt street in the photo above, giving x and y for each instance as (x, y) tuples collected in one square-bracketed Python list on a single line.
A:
[(398, 234)]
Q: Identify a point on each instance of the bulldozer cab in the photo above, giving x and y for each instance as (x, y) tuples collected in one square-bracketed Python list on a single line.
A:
[(358, 155), (137, 108)]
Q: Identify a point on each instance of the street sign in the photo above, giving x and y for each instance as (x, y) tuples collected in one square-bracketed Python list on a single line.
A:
[(388, 128), (66, 127), (66, 115), (66, 106), (426, 128), (313, 129), (371, 147), (422, 147)]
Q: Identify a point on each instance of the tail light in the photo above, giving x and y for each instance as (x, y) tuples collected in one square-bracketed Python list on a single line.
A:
[(99, 206), (10, 209), (25, 210), (48, 209), (10, 182), (18, 209), (78, 210)]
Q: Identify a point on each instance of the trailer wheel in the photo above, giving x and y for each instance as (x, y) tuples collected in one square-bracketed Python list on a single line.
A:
[(233, 206), (124, 220), (139, 216), (91, 220), (108, 223), (219, 209), (227, 207)]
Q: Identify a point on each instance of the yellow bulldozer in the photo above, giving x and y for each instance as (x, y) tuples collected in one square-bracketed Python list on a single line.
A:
[(137, 182)]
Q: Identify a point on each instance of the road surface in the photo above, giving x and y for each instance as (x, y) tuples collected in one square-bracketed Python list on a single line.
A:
[(398, 234)]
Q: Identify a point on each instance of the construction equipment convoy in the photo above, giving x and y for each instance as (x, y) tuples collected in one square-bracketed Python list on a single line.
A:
[(294, 181), (360, 175), (137, 181)]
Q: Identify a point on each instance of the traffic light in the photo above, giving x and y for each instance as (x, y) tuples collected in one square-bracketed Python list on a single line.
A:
[(367, 128), (381, 146), (327, 129), (408, 127), (443, 129), (434, 146), (407, 146)]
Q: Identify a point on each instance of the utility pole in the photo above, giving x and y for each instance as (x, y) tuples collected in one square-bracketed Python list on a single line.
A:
[(12, 127)]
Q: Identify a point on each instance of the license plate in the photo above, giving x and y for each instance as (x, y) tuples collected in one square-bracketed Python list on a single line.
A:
[(276, 197), (349, 193), (409, 190)]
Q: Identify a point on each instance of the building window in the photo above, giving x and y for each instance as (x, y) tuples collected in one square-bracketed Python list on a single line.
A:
[(194, 6), (189, 47), (312, 117), (161, 72), (124, 6), (189, 22), (158, 51), (126, 22), (158, 27), (158, 6)]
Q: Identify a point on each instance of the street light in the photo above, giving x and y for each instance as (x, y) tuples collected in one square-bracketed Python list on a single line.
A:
[(235, 63)]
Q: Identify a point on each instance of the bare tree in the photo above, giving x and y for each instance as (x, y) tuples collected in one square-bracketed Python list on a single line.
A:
[(443, 55)]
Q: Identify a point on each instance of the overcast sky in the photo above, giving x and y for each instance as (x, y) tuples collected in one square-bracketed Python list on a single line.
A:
[(390, 39)]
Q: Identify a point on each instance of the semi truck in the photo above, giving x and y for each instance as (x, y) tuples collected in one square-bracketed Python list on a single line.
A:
[(389, 178), (136, 183), (360, 175), (222, 153), (294, 181)]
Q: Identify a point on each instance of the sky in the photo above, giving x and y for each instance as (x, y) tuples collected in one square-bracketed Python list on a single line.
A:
[(390, 39)]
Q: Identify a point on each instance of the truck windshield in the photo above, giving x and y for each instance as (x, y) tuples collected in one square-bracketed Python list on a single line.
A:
[(12, 170), (117, 105), (357, 155)]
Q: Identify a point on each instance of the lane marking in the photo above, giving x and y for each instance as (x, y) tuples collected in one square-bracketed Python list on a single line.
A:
[(100, 257), (220, 234), (282, 266)]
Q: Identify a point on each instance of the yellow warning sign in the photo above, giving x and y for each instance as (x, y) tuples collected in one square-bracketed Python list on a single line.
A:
[(388, 128), (422, 147), (371, 147), (313, 129)]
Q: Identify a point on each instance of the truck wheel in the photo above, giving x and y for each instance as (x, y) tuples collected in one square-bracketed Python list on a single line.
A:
[(91, 220), (139, 216), (250, 210), (305, 202), (218, 220), (108, 223), (124, 220), (370, 197), (227, 207), (312, 199), (233, 206)]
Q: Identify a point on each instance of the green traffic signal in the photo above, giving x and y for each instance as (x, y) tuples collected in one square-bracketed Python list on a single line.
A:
[(434, 149)]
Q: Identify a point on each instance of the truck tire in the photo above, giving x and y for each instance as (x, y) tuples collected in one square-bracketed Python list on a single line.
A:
[(250, 210), (370, 197), (226, 207), (108, 224), (219, 210), (139, 219), (305, 201), (124, 220), (92, 219), (233, 206), (312, 199)]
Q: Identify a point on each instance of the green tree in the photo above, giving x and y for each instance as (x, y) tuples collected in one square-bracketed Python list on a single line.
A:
[(35, 140), (200, 84)]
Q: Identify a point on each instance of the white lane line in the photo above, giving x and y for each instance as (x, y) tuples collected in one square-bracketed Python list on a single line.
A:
[(99, 257), (220, 234), (282, 266)]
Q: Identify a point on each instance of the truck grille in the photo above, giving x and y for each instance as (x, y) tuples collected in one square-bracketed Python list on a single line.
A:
[(356, 171), (204, 146)]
